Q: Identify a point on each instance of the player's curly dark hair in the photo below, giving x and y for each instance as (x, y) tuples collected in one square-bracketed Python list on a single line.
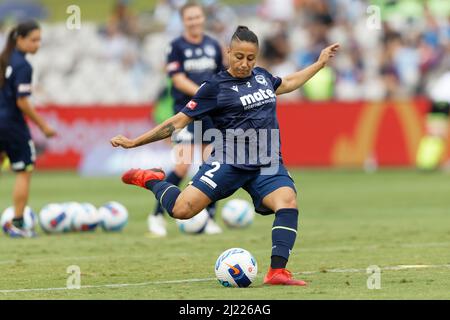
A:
[(243, 33), (21, 30)]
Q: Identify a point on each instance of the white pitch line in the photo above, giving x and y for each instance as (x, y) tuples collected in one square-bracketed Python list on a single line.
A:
[(121, 285), (113, 285)]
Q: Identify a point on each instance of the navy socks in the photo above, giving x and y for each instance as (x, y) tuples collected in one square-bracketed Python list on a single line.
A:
[(211, 208), (173, 179), (284, 232), (165, 192)]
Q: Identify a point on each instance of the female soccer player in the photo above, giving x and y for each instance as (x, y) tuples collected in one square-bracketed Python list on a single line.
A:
[(192, 59), (15, 137), (240, 101)]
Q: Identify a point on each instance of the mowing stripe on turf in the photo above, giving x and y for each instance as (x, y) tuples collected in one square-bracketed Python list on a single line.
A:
[(306, 249), (121, 285)]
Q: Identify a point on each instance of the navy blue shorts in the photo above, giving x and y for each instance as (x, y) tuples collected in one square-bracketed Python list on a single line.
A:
[(19, 148), (219, 181), (188, 134)]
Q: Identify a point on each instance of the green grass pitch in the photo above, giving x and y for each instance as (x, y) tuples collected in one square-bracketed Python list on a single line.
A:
[(349, 220)]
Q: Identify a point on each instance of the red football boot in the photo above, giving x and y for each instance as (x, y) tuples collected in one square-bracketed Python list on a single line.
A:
[(139, 177), (282, 277)]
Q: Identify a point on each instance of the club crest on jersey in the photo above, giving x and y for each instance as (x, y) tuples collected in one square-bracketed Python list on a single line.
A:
[(199, 51), (210, 50), (191, 105), (261, 80)]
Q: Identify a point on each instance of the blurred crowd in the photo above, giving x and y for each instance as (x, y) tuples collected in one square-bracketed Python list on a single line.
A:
[(390, 49)]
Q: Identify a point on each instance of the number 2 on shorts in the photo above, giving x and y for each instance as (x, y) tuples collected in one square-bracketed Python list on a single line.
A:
[(206, 178), (216, 166)]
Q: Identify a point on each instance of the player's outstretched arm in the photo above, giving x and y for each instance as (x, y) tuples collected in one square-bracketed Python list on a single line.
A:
[(25, 106), (296, 80), (162, 131)]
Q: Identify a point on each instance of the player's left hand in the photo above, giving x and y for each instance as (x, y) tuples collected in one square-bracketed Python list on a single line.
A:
[(328, 53), (122, 141)]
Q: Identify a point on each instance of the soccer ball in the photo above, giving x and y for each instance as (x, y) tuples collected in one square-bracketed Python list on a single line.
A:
[(85, 216), (113, 216), (194, 225), (29, 218), (54, 218), (236, 267), (90, 209), (238, 213)]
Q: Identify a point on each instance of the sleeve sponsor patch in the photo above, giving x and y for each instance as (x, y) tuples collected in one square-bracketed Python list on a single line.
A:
[(24, 88), (191, 105), (8, 72), (173, 66)]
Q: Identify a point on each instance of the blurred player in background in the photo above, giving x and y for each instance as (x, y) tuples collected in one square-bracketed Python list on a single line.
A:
[(15, 137), (432, 145), (241, 99), (192, 58)]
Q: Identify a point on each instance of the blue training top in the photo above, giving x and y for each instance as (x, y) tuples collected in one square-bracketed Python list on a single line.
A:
[(244, 111), (198, 61), (17, 84)]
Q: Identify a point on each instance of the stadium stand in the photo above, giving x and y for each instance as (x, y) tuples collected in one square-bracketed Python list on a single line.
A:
[(103, 64)]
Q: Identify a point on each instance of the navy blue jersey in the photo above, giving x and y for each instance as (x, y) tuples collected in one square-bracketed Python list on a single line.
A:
[(17, 84), (243, 109), (198, 61)]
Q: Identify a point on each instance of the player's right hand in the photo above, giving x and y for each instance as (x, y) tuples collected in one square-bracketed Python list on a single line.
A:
[(122, 141), (49, 132)]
